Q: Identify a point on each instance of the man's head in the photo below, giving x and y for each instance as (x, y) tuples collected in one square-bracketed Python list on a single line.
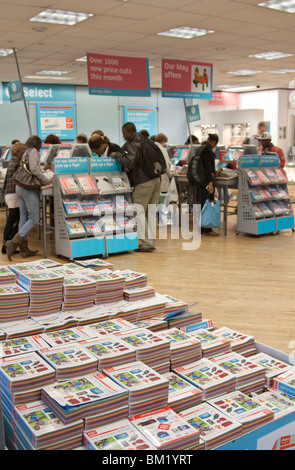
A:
[(265, 139), (128, 130), (262, 127), (213, 140)]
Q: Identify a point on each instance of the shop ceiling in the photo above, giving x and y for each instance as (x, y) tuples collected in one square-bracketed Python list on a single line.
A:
[(130, 28)]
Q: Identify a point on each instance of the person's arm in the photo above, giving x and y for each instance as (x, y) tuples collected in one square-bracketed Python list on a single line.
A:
[(129, 155), (34, 167)]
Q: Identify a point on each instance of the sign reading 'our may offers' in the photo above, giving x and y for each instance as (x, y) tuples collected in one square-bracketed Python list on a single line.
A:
[(183, 79), (118, 76)]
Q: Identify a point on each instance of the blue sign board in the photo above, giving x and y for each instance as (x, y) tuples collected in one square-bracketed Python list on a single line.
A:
[(14, 90), (144, 117), (70, 165), (42, 92), (102, 164), (58, 119), (193, 113)]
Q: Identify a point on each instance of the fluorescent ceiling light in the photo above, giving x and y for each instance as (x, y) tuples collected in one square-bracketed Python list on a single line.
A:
[(5, 52), (60, 17), (271, 55), (47, 77), (282, 71), (52, 72), (82, 59), (185, 33), (244, 72), (282, 5), (242, 88)]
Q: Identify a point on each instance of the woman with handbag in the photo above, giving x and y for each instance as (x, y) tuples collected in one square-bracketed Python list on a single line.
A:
[(28, 179)]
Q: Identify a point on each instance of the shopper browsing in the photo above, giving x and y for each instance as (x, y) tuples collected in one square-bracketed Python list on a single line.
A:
[(161, 140), (268, 146), (101, 145), (254, 139), (29, 201)]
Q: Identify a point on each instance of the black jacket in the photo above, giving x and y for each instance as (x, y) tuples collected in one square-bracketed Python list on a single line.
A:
[(130, 159), (208, 160)]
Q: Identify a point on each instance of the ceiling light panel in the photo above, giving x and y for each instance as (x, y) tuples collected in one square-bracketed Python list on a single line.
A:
[(185, 33), (245, 72), (282, 5), (271, 55), (60, 17), (5, 52), (281, 71), (53, 72)]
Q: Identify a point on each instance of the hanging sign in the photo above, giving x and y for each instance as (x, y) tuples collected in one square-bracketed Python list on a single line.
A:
[(15, 92), (143, 118), (118, 76), (58, 119), (182, 79), (193, 113)]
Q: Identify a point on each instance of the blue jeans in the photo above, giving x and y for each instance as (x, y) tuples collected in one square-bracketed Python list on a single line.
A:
[(29, 206)]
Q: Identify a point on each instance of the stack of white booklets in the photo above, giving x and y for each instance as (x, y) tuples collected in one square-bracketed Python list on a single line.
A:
[(70, 360), (276, 402), (121, 435), (14, 303), (250, 376), (181, 393), (153, 324), (166, 430), (109, 286), (109, 351), (150, 308), (240, 343), (244, 409), (215, 428), (111, 327), (211, 379), (147, 389), (7, 276), (183, 348), (186, 319), (137, 293), (96, 264), (25, 344), (273, 366), (56, 321), (151, 348), (67, 336), (88, 397), (133, 278), (212, 345), (79, 292), (16, 329), (285, 382), (173, 305), (38, 428)]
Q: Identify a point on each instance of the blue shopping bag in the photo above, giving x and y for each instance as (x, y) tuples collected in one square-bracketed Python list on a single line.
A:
[(210, 215)]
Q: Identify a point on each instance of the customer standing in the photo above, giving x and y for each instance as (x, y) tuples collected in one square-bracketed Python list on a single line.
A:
[(268, 146), (208, 189), (255, 139), (161, 140), (146, 191), (10, 196), (29, 201)]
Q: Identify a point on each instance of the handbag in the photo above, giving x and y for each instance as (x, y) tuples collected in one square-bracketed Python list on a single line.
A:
[(24, 178), (210, 215)]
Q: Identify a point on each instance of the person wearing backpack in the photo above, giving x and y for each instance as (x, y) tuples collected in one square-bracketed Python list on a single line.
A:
[(144, 166)]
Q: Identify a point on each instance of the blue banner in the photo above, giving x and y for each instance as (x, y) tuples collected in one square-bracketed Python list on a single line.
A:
[(42, 92), (58, 119), (193, 113), (15, 92), (144, 117)]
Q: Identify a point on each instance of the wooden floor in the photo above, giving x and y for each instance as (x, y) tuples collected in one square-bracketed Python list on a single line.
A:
[(244, 282)]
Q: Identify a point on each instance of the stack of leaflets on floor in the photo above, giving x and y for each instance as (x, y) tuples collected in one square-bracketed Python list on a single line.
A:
[(109, 224), (173, 305), (151, 348), (27, 267), (239, 342), (75, 227), (91, 225), (165, 429), (67, 336), (84, 397), (253, 178), (73, 207), (16, 329), (263, 178), (265, 209), (105, 205), (89, 206), (276, 402), (14, 303), (70, 361), (96, 264), (25, 344), (109, 351), (45, 291), (183, 348), (109, 286), (79, 292), (249, 375), (110, 326), (47, 263), (153, 324), (149, 308), (244, 409), (6, 276), (147, 389), (181, 394), (211, 379), (87, 184), (89, 315), (272, 175), (187, 319), (120, 185), (273, 366), (121, 435), (25, 372), (215, 428), (68, 185), (281, 175), (41, 428), (133, 278), (212, 344), (285, 382), (136, 293), (56, 321)]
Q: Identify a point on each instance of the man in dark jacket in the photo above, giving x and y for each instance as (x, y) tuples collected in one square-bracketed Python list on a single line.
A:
[(146, 191), (208, 189)]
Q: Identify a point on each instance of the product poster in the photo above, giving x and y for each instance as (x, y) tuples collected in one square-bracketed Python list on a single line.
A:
[(118, 76), (58, 119), (142, 117), (182, 79)]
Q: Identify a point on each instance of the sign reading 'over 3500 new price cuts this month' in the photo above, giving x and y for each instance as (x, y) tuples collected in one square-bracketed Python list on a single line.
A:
[(118, 76)]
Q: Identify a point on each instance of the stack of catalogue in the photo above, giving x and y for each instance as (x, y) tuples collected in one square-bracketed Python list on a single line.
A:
[(109, 286), (183, 348)]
